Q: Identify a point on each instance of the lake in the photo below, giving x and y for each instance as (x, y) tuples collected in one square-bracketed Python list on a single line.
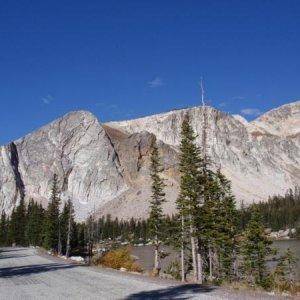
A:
[(294, 245), (145, 254)]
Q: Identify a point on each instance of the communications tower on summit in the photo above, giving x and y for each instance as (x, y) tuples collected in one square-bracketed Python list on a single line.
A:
[(204, 126)]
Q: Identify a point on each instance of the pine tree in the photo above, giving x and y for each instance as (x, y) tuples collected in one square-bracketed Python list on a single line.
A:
[(3, 230), (63, 228), (255, 249), (156, 218), (90, 234), (34, 226), (20, 225), (188, 202), (70, 227), (51, 233), (208, 221), (17, 224), (227, 229), (12, 228)]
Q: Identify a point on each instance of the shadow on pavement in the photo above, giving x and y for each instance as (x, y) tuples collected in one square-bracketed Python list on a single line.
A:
[(32, 269), (176, 292), (3, 250), (13, 256)]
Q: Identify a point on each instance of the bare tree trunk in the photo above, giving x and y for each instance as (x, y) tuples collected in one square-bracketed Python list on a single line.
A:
[(235, 265), (193, 248), (156, 257), (199, 259), (156, 263), (182, 251), (210, 263), (68, 247), (59, 246), (90, 229)]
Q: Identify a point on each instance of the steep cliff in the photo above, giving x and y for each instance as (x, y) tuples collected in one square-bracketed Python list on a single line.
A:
[(77, 149)]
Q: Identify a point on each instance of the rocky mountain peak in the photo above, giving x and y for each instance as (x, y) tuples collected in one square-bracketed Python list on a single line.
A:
[(282, 121), (259, 158), (77, 149)]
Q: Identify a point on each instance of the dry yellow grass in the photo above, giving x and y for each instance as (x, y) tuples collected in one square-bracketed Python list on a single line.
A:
[(120, 258)]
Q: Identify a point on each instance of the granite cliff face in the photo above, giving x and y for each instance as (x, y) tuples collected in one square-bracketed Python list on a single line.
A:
[(77, 149), (106, 167)]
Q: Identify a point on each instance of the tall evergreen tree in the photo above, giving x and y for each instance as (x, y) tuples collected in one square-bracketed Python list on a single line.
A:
[(3, 230), (70, 228), (188, 202), (17, 224), (12, 228), (63, 227), (34, 226), (156, 218), (20, 225), (51, 227), (209, 219), (227, 229), (255, 249)]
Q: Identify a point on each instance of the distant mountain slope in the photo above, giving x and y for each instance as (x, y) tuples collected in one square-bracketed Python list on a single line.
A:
[(261, 158), (106, 167)]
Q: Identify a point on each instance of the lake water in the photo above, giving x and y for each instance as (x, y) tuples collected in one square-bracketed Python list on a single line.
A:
[(145, 254), (294, 245)]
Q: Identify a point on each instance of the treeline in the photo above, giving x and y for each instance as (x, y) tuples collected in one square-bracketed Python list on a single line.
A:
[(279, 212), (26, 223), (32, 225), (135, 231)]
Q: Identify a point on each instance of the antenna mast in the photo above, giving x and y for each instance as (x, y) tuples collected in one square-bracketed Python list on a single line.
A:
[(204, 128), (202, 92)]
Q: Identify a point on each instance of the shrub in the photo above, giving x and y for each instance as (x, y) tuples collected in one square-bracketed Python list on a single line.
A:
[(283, 277), (120, 258), (173, 269)]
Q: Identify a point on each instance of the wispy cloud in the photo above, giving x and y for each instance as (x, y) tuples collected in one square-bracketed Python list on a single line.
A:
[(238, 98), (251, 112), (155, 82), (222, 104), (114, 110), (47, 99), (113, 107)]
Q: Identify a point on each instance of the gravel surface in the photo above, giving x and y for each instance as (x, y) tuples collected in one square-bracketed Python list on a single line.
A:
[(26, 275)]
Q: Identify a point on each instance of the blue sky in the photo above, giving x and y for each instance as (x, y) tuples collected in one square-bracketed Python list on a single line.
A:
[(125, 59)]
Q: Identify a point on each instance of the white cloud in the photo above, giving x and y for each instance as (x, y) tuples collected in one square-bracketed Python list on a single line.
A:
[(156, 82), (222, 104), (113, 107), (251, 112), (47, 99), (238, 98)]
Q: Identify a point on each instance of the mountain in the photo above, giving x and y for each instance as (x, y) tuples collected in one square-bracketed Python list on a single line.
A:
[(77, 149), (105, 167)]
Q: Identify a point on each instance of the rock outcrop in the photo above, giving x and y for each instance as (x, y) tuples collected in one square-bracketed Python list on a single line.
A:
[(105, 168), (77, 149)]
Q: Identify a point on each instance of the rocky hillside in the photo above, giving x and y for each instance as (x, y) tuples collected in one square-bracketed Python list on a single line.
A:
[(105, 167), (261, 158), (77, 149)]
